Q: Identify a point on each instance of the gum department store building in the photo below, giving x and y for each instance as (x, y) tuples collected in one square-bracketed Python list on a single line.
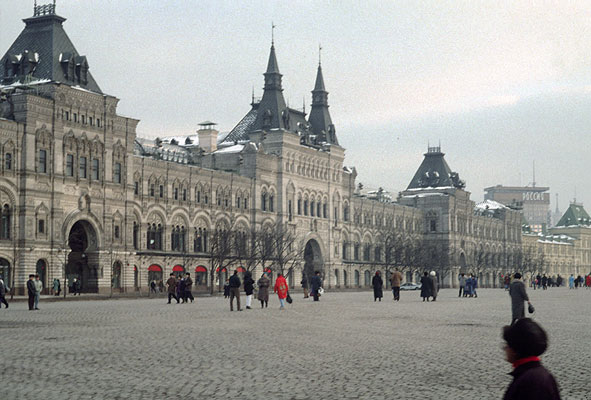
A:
[(82, 196)]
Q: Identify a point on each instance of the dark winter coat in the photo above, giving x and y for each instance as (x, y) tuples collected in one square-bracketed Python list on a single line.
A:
[(234, 281), (248, 284), (31, 288), (315, 283), (531, 381), (171, 282), (263, 284), (377, 284), (425, 287), (188, 284), (304, 283), (518, 296), (434, 287)]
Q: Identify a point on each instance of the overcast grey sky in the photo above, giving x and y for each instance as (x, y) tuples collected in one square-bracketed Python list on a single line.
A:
[(500, 84)]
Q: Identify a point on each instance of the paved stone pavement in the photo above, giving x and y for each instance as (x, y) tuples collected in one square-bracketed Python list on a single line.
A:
[(343, 347)]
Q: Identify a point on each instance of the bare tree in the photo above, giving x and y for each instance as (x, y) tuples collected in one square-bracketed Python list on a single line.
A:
[(221, 254), (286, 253)]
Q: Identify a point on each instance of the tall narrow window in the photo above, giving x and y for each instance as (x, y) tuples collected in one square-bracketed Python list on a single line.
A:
[(161, 191), (312, 208), (117, 173), (184, 194), (5, 222), (271, 203), (289, 210), (136, 230), (152, 189), (176, 193), (136, 188), (299, 206), (8, 161), (82, 173), (69, 165), (95, 169), (43, 161), (41, 226)]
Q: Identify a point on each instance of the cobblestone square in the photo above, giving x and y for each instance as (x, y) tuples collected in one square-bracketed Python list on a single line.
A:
[(345, 346)]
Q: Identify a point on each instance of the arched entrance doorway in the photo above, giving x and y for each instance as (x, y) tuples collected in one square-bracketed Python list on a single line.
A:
[(5, 272), (116, 276), (313, 259), (41, 270), (83, 258)]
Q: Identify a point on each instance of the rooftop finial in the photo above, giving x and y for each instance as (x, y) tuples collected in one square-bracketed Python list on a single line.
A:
[(272, 33), (47, 9), (319, 54)]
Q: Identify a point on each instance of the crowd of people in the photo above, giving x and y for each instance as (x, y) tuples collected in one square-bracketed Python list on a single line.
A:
[(468, 285), (180, 287)]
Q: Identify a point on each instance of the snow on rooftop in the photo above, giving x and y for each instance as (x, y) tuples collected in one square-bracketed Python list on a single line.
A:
[(236, 148), (490, 205), (19, 83)]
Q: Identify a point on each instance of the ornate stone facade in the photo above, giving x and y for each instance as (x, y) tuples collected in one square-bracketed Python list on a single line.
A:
[(83, 197)]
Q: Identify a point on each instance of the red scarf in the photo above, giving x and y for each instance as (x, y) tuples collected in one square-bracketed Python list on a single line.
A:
[(525, 360)]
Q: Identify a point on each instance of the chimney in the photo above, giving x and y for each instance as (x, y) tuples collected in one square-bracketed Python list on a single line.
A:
[(208, 136)]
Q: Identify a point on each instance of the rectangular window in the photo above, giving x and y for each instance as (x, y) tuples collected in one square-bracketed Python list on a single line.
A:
[(184, 194), (75, 117), (69, 165), (116, 231), (245, 204), (82, 173), (83, 119), (176, 193), (136, 188), (152, 190), (41, 228), (98, 122), (67, 115), (206, 199), (42, 161), (289, 210), (117, 173), (8, 161), (299, 206), (161, 188), (90, 121), (198, 196), (95, 169), (271, 203)]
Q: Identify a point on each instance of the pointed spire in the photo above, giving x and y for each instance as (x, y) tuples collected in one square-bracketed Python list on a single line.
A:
[(272, 65), (319, 86), (319, 114)]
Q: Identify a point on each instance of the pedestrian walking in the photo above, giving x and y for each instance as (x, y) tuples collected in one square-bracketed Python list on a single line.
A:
[(571, 281), (263, 295), (518, 297), (248, 288), (425, 286), (474, 286), (57, 287), (227, 289), (377, 284), (3, 291), (304, 283), (544, 282), (525, 342), (77, 286), (588, 281), (172, 284), (281, 289), (180, 288), (31, 291), (38, 289), (188, 288), (316, 285), (153, 287), (462, 280), (235, 291), (468, 286), (434, 285), (395, 281)]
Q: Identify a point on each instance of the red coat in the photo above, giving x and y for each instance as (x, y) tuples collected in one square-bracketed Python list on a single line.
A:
[(588, 280), (280, 287)]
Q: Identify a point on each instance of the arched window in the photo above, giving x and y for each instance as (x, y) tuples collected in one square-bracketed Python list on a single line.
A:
[(312, 208), (5, 221), (200, 240), (367, 278), (264, 198), (356, 278), (154, 236), (271, 203)]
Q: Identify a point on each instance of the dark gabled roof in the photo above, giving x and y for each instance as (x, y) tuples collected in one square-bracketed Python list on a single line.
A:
[(435, 173), (45, 40), (575, 215), (242, 130)]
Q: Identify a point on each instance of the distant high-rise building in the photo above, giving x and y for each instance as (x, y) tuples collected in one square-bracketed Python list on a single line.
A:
[(535, 202)]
